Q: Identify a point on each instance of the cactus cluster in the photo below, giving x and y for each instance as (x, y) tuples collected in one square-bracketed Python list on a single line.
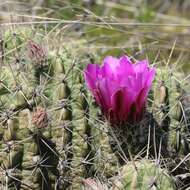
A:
[(47, 140), (53, 136)]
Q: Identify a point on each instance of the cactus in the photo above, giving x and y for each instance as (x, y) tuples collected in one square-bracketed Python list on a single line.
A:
[(53, 135), (172, 116), (143, 175)]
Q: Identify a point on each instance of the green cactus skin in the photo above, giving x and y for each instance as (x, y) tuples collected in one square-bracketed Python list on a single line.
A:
[(30, 178), (105, 161), (37, 146), (106, 164), (173, 120), (62, 132), (161, 104), (12, 155), (79, 137), (143, 175), (173, 114)]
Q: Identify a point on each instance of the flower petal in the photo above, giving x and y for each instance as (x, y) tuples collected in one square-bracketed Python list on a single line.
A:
[(126, 67), (141, 66), (150, 78), (122, 101), (106, 87), (91, 75)]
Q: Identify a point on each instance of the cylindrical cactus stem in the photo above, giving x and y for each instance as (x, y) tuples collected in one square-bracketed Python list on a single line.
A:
[(80, 139), (174, 138), (176, 128), (62, 118), (10, 130), (63, 91), (161, 105), (20, 98), (176, 110), (62, 131), (39, 161), (105, 161), (175, 106), (46, 147), (58, 63), (48, 161), (31, 175), (13, 153), (143, 174), (79, 150), (62, 136)]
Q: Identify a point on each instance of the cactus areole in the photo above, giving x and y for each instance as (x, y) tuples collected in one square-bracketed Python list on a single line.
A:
[(120, 87)]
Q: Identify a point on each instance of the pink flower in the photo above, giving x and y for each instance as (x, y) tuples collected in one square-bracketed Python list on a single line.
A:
[(120, 87)]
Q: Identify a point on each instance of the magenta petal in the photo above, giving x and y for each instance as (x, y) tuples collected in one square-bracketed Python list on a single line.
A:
[(91, 75), (110, 63), (150, 77), (125, 59), (121, 103), (126, 67), (99, 99), (109, 69), (141, 98), (103, 87), (106, 88), (140, 104), (141, 66)]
